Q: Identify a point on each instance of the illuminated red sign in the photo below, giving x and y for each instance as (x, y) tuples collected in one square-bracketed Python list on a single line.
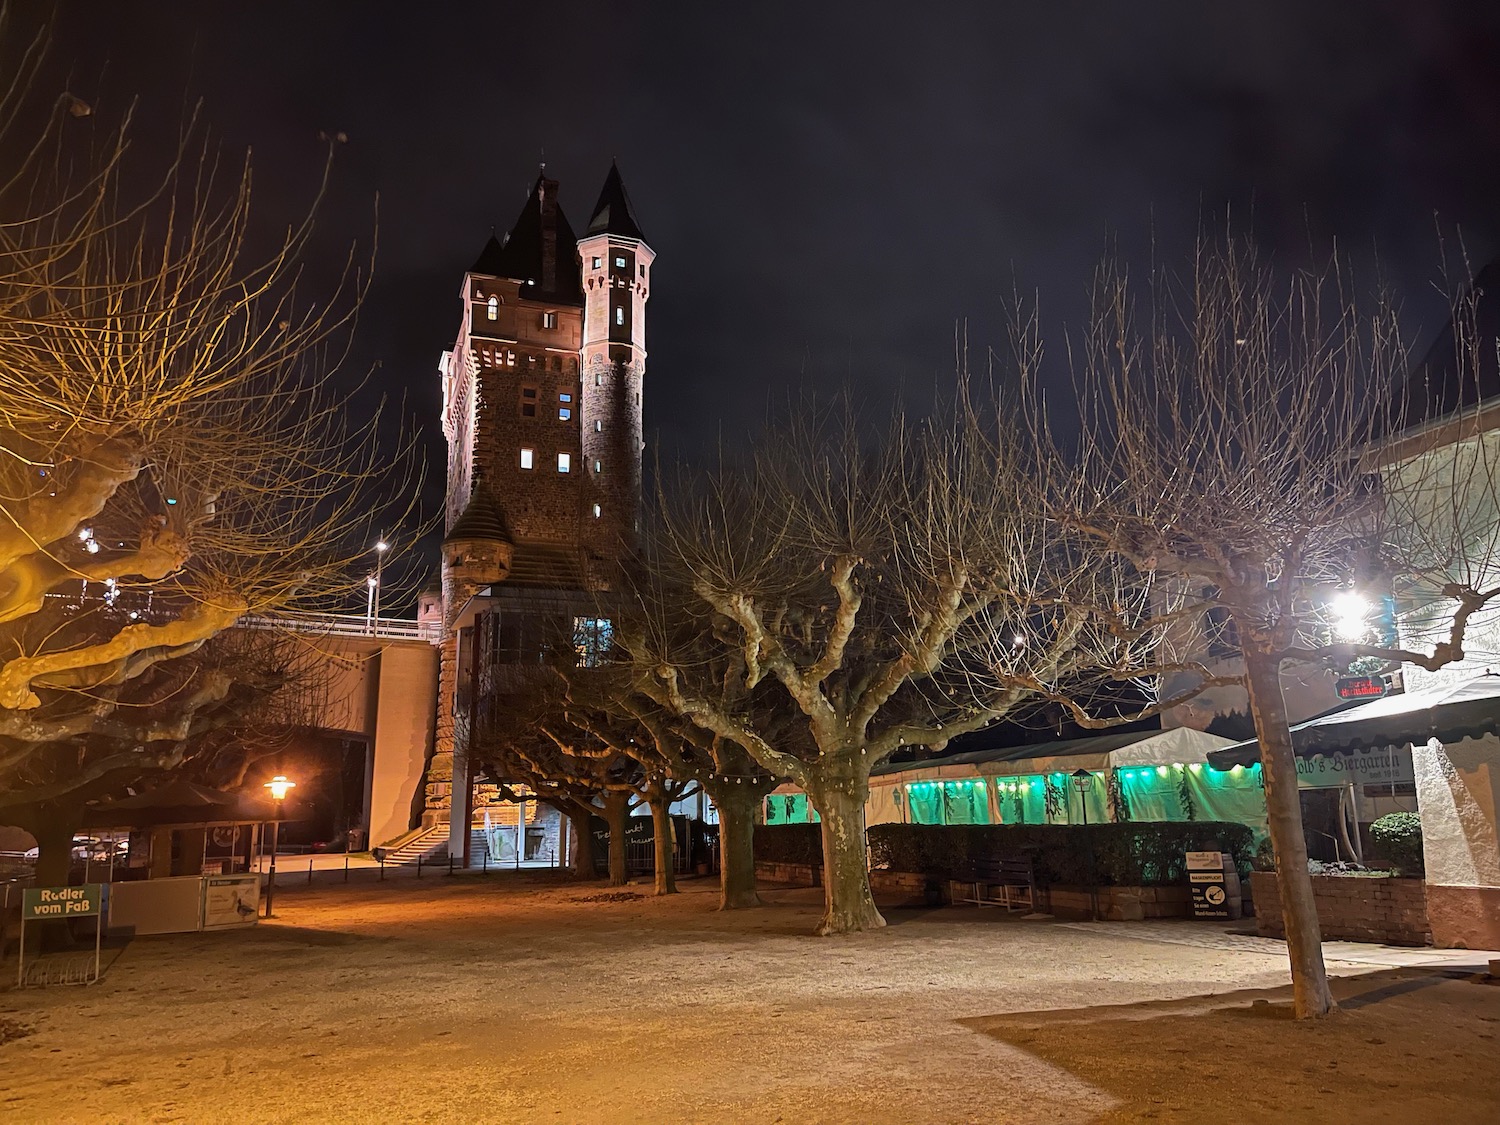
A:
[(1361, 687)]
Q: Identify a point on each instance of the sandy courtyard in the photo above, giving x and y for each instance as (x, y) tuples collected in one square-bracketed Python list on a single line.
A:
[(483, 998)]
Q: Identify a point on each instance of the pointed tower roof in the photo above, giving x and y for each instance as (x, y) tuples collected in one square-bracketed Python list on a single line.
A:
[(613, 214), (541, 248), (482, 520), (491, 260)]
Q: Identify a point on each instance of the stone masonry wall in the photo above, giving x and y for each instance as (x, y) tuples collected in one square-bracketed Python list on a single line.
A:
[(1352, 908)]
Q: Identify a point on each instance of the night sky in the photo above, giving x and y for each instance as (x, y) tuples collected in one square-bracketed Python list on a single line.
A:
[(828, 187)]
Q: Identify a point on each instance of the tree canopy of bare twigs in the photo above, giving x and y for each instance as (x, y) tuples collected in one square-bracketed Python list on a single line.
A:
[(1232, 418), (173, 453)]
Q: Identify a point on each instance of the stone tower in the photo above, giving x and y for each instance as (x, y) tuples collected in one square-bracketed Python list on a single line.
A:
[(542, 398), (616, 268)]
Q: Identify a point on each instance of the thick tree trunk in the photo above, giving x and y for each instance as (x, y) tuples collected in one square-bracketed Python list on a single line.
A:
[(736, 805), (1304, 943), (585, 847), (617, 815), (662, 850), (54, 838), (849, 906)]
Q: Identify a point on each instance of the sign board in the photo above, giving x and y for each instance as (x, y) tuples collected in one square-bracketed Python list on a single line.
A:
[(1210, 887), (1377, 765), (230, 900), (40, 903), (1361, 687)]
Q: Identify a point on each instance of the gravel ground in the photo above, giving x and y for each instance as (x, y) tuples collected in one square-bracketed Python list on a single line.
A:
[(479, 997)]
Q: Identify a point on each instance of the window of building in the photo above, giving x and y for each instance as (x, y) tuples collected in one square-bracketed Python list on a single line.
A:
[(619, 263), (598, 262), (643, 271), (598, 378), (510, 358), (528, 402), (565, 462), (527, 457), (564, 408), (493, 308), (620, 314), (598, 511), (598, 466), (593, 637), (598, 425), (549, 320)]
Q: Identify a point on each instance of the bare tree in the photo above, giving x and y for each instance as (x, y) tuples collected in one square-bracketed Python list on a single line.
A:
[(1224, 463), (886, 586), (173, 455)]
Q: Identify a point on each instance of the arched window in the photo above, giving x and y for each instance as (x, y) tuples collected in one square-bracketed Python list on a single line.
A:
[(493, 308)]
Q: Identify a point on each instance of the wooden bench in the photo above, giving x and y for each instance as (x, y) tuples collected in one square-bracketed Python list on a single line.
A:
[(1014, 879)]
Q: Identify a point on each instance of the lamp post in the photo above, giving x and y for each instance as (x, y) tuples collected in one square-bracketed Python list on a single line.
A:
[(279, 787), (1083, 781), (381, 547)]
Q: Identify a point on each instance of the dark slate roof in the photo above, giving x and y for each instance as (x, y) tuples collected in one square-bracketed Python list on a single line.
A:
[(491, 260), (613, 214), (519, 254), (481, 520), (1443, 383)]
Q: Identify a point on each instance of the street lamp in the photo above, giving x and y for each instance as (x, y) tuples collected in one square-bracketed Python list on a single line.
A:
[(372, 603), (1083, 781), (279, 787), (1350, 616)]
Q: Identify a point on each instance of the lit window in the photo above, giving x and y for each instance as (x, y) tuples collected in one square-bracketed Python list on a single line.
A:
[(565, 462), (620, 314), (564, 413), (510, 358), (598, 425), (527, 456), (593, 637), (619, 263), (549, 320), (493, 308), (598, 378), (565, 397), (598, 262), (598, 511), (598, 466)]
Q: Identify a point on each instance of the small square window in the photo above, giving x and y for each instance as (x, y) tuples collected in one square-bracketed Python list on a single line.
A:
[(598, 378), (619, 263), (598, 425), (643, 271), (565, 397), (528, 392), (598, 262), (549, 320), (565, 462), (527, 457), (620, 314), (528, 410), (598, 466), (598, 511), (564, 413)]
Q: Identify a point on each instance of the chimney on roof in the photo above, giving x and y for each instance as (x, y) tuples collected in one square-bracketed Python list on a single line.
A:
[(547, 198)]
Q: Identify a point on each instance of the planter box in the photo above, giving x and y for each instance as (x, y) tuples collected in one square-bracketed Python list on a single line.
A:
[(794, 874), (1374, 908)]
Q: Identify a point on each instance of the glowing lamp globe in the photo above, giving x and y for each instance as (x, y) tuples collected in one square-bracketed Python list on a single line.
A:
[(279, 786)]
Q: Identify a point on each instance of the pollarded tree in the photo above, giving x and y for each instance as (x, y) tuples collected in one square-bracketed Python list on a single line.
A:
[(885, 587), (1231, 429), (173, 455)]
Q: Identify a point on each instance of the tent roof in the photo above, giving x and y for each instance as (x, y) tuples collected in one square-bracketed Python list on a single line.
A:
[(179, 802), (1106, 751), (1468, 709)]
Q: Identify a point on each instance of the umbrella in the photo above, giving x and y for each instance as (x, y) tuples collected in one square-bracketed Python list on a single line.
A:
[(1469, 709)]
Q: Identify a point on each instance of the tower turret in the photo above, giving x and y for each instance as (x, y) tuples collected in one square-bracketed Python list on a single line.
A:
[(616, 268)]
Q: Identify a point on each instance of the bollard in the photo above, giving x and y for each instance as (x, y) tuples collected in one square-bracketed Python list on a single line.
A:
[(485, 865), (346, 868), (450, 865), (419, 866), (382, 868), (309, 870)]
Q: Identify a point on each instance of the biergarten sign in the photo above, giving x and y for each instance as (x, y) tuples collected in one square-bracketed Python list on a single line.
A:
[(1375, 765)]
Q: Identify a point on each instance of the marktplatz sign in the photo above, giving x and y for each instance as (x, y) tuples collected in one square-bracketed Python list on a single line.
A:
[(38, 903)]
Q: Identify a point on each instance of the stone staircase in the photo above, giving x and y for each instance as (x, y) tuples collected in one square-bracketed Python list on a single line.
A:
[(425, 844)]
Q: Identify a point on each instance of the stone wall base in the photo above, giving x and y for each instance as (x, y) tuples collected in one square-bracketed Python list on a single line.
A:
[(1377, 908), (1464, 917), (794, 874)]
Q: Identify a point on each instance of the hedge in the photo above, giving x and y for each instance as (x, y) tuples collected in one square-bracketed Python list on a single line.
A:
[(1132, 854), (789, 843)]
